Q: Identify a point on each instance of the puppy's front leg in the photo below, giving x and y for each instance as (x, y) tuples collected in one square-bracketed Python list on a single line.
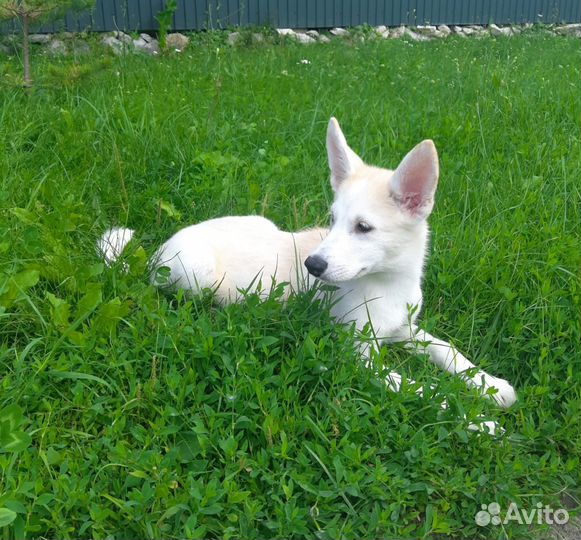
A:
[(392, 379), (447, 357)]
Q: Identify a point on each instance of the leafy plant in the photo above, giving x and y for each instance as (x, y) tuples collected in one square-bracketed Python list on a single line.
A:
[(165, 17), (12, 438)]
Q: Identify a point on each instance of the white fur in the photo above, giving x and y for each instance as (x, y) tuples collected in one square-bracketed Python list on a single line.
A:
[(378, 273), (230, 254), (113, 242)]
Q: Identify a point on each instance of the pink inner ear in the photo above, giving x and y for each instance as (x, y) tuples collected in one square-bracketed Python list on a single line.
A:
[(338, 161), (415, 180), (418, 182), (342, 160), (412, 202)]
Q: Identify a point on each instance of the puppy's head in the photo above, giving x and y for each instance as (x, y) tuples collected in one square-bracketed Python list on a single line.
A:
[(378, 217)]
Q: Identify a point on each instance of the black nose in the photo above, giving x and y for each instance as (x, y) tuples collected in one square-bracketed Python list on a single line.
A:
[(316, 265)]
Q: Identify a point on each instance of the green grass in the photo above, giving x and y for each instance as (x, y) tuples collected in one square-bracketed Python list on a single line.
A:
[(147, 415)]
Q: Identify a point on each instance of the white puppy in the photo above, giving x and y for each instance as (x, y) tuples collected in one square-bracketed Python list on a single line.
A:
[(374, 254)]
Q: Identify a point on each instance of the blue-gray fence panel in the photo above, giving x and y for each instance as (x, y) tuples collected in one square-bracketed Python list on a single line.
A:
[(135, 15)]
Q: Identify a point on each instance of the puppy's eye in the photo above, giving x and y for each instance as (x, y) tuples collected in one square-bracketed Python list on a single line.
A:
[(363, 227)]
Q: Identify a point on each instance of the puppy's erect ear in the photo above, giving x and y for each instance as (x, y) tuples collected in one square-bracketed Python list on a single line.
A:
[(414, 182), (342, 160)]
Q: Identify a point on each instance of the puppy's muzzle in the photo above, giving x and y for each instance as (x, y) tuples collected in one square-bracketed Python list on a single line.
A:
[(316, 265)]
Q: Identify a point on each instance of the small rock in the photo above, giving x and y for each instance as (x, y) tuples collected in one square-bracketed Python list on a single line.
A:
[(414, 36), (150, 47), (385, 34), (381, 29), (430, 31), (313, 33), (177, 41), (445, 29), (324, 39), (39, 38), (458, 31), (123, 37), (68, 35), (304, 38), (257, 38), (114, 44), (341, 32), (80, 48), (285, 32), (475, 30), (233, 38), (396, 33), (56, 48), (425, 29), (569, 29), (497, 31)]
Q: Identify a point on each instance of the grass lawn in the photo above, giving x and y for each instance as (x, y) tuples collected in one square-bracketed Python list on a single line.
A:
[(147, 415)]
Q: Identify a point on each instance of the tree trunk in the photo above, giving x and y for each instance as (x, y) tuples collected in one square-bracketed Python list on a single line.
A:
[(26, 51)]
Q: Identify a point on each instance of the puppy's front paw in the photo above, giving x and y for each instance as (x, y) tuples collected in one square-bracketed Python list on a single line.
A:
[(486, 426), (506, 395)]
